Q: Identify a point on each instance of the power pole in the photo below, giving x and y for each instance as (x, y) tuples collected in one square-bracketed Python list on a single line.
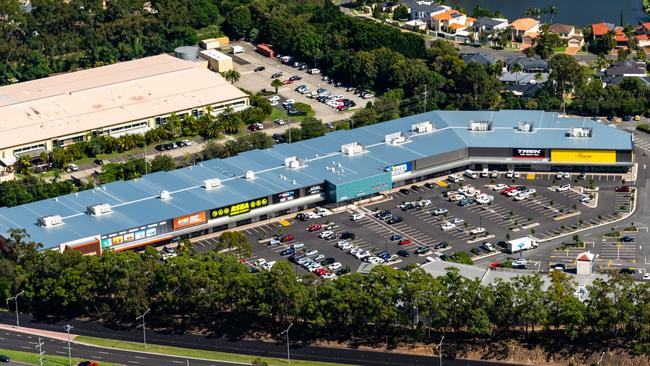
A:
[(41, 353)]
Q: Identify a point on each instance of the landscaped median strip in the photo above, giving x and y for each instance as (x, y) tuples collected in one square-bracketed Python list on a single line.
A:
[(193, 353), (49, 360)]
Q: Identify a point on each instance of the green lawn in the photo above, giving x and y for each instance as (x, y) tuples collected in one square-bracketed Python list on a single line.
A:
[(50, 360), (186, 352), (277, 113)]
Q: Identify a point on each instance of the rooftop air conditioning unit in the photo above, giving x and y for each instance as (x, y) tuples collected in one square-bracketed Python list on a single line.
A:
[(165, 195), (480, 126), (213, 183), (249, 174), (353, 148), (49, 221), (99, 210), (580, 132), (293, 163), (396, 138), (423, 127), (525, 127)]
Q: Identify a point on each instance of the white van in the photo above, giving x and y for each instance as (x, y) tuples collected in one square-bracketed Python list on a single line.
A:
[(237, 49), (313, 71), (485, 172), (471, 174)]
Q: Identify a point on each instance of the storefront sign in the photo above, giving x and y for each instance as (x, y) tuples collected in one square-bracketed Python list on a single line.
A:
[(286, 196), (92, 248), (190, 220), (238, 208), (400, 170), (133, 234), (583, 156), (317, 189), (528, 153)]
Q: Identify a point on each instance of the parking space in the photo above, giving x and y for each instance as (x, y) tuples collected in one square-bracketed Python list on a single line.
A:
[(261, 79)]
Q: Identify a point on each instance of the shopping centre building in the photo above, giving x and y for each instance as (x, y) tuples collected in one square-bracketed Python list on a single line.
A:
[(342, 166)]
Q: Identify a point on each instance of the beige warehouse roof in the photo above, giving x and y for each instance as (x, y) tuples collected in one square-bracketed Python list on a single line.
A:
[(66, 104)]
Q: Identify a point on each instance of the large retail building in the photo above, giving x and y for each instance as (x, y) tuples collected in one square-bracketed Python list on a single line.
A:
[(339, 167), (127, 97)]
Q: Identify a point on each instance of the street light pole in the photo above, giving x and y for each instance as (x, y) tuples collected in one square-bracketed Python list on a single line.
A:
[(440, 350), (68, 328), (15, 298), (144, 328), (286, 331)]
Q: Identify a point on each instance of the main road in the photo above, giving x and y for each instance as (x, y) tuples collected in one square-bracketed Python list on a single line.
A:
[(26, 343)]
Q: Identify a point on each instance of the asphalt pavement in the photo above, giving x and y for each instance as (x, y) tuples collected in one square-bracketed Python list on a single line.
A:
[(21, 342)]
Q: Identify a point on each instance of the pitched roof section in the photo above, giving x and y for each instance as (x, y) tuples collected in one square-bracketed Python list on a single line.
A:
[(561, 28), (524, 24), (600, 29)]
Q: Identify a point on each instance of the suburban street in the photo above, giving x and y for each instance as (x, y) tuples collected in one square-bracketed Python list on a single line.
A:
[(22, 342)]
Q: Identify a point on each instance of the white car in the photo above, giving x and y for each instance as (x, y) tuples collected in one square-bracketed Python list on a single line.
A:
[(516, 175), (447, 226), (646, 276), (329, 276), (341, 242), (289, 101), (440, 211), (494, 174), (567, 175), (559, 175), (259, 262), (274, 98), (297, 245), (357, 216), (513, 193), (520, 262), (275, 242), (375, 260), (457, 221), (510, 174), (311, 253), (355, 250), (522, 196), (585, 199), (563, 188), (279, 121), (71, 168), (499, 187), (335, 266), (476, 231), (345, 246), (313, 71), (325, 234), (267, 266), (423, 203), (489, 246), (362, 254), (274, 103), (531, 191)]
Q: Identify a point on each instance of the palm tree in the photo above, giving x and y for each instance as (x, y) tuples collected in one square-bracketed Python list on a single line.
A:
[(232, 76), (516, 69), (551, 11), (276, 83), (24, 164), (538, 77)]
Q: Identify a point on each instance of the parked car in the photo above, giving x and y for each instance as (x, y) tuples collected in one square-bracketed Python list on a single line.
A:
[(4, 358), (313, 71), (627, 239), (276, 75), (563, 188), (622, 189), (314, 227), (259, 68), (395, 220), (404, 242), (71, 168), (395, 237), (446, 226), (422, 250), (403, 253), (439, 211)]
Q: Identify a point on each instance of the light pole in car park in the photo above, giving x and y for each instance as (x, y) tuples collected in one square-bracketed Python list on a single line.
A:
[(144, 329), (286, 331), (68, 328), (439, 348), (15, 298)]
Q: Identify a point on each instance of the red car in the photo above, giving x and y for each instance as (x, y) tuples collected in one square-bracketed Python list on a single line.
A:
[(287, 82), (286, 238), (314, 227), (321, 272), (509, 189), (253, 127), (404, 242)]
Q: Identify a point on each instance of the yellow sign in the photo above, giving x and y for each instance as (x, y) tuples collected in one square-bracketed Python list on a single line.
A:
[(441, 183), (583, 156), (530, 176), (239, 208)]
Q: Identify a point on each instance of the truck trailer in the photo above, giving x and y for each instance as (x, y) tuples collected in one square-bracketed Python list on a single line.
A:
[(517, 245)]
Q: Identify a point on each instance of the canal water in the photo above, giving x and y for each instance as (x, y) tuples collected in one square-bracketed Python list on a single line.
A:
[(578, 12)]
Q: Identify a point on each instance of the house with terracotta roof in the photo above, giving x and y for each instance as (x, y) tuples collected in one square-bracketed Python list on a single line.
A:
[(601, 29), (424, 9), (451, 22), (522, 27), (642, 34), (620, 37)]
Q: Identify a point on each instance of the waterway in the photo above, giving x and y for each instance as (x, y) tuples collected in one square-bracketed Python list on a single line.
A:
[(578, 12)]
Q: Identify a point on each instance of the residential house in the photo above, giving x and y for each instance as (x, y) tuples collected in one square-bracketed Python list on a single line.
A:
[(642, 34), (564, 31), (387, 7), (622, 69), (576, 41), (416, 25), (601, 29), (620, 37), (489, 26), (522, 27), (451, 22), (523, 78), (528, 64), (424, 10), (525, 90), (480, 58)]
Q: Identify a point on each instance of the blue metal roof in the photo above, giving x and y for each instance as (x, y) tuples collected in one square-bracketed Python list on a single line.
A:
[(136, 202)]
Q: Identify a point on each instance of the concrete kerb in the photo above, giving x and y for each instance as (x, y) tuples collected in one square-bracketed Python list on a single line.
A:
[(595, 226), (37, 332)]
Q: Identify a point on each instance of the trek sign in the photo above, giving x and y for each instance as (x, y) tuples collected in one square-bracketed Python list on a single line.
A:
[(528, 153)]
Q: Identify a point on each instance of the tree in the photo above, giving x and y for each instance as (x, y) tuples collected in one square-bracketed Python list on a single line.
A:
[(235, 242), (276, 83), (566, 73), (460, 257), (516, 69), (401, 12), (162, 162), (239, 22), (232, 76), (551, 11)]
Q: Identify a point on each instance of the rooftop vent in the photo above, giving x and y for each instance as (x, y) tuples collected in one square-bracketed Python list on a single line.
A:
[(165, 195), (210, 184), (580, 132), (480, 126), (525, 126), (294, 163), (423, 127), (249, 174), (354, 148), (49, 221), (99, 210), (396, 138)]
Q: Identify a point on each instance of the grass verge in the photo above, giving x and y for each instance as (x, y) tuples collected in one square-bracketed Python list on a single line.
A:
[(50, 360), (186, 352)]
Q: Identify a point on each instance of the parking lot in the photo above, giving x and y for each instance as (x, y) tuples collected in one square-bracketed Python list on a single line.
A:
[(256, 81), (420, 228)]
